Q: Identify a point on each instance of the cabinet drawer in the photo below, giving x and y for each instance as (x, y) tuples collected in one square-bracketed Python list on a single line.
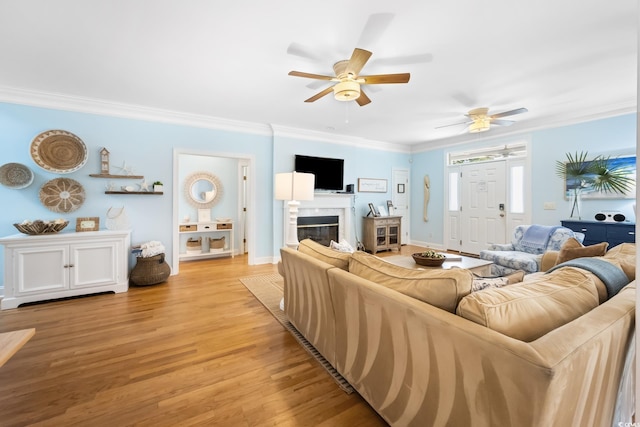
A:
[(224, 226), (206, 227), (622, 233), (188, 227)]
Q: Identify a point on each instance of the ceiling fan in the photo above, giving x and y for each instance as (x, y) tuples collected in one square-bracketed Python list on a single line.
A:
[(480, 120), (348, 80)]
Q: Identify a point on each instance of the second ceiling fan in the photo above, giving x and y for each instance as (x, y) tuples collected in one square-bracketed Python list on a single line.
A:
[(480, 120), (348, 80)]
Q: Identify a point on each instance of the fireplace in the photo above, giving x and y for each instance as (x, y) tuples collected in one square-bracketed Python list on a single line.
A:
[(322, 229), (327, 204)]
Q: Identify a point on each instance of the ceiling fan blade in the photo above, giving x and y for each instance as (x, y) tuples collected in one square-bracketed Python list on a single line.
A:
[(363, 99), (303, 52), (374, 28), (385, 78), (310, 76), (357, 61), (509, 113), (502, 122), (320, 94), (403, 60), (454, 124)]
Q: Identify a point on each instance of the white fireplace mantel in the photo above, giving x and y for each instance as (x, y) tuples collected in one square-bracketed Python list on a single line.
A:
[(324, 204)]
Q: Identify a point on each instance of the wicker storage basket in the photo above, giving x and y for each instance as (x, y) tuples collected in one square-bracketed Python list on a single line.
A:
[(216, 245), (150, 271), (194, 246)]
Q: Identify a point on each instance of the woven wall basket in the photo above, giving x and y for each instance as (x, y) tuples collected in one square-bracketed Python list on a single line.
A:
[(58, 151), (150, 271)]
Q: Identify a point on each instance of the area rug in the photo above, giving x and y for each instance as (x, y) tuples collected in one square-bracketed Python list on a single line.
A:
[(268, 289)]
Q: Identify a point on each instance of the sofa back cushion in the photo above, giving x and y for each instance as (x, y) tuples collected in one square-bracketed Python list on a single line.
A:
[(438, 287), (325, 254), (528, 310), (623, 256), (572, 249)]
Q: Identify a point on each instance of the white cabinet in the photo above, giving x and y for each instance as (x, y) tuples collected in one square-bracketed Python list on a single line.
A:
[(51, 266), (206, 230)]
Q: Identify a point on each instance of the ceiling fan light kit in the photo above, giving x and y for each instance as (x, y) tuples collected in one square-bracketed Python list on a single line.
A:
[(480, 125), (346, 91)]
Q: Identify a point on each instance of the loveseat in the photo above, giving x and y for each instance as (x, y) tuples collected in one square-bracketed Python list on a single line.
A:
[(525, 250), (424, 350)]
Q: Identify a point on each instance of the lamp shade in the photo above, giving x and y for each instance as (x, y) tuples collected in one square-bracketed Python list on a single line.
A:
[(294, 186)]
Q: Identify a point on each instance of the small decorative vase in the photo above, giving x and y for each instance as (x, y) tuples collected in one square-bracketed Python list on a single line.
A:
[(575, 206), (158, 188)]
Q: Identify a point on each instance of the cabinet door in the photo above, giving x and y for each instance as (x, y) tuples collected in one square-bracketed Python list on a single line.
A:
[(381, 236), (94, 264), (393, 235), (40, 270)]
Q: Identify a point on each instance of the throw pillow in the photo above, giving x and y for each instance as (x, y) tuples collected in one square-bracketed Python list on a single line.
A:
[(325, 254), (572, 249)]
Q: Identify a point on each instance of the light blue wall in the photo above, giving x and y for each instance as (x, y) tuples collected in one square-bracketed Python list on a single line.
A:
[(359, 162), (148, 147), (611, 136)]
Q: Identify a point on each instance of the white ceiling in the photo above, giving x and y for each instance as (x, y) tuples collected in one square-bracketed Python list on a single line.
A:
[(566, 61)]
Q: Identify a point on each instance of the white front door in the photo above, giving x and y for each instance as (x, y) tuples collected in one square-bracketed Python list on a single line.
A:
[(482, 216), (400, 200)]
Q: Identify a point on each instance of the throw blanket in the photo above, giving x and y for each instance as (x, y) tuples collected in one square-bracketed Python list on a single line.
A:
[(613, 277), (149, 249), (537, 236)]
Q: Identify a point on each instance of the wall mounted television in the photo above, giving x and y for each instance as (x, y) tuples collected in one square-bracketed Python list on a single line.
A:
[(329, 173)]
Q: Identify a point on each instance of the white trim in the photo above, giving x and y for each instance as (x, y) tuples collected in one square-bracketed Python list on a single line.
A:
[(109, 108)]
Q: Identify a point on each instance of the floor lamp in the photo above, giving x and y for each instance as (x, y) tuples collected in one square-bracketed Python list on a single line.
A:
[(293, 187)]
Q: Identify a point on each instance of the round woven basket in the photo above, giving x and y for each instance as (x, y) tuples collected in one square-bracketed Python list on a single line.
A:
[(15, 175), (150, 271), (58, 151)]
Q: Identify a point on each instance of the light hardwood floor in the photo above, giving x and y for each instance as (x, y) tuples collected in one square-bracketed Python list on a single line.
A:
[(196, 350)]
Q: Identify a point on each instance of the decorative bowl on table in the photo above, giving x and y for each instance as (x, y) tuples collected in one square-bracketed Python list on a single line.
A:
[(429, 258), (41, 227)]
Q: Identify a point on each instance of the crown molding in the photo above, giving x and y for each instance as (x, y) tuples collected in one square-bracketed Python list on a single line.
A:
[(295, 133), (79, 104)]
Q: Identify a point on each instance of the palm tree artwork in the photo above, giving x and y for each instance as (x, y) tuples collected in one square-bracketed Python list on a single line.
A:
[(600, 174)]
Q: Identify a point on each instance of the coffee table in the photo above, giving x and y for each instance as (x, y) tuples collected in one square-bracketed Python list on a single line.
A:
[(481, 267)]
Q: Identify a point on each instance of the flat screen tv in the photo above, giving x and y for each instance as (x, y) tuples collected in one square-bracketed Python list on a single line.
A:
[(328, 172)]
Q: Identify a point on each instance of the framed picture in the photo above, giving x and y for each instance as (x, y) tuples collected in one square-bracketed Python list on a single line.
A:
[(390, 207), (588, 192), (372, 185), (89, 223), (372, 210), (400, 188)]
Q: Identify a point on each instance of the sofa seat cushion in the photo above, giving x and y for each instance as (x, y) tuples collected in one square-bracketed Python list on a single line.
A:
[(529, 310), (436, 286), (515, 260), (325, 254)]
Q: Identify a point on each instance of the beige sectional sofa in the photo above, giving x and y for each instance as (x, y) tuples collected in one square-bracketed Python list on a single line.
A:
[(424, 350)]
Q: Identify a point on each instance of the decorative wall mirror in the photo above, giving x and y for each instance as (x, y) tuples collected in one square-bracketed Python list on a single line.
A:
[(202, 189)]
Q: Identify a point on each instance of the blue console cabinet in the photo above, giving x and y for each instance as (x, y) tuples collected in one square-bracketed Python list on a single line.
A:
[(597, 231)]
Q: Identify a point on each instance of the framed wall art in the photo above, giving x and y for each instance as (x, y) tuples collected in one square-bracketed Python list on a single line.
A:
[(90, 223), (372, 185), (588, 192)]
